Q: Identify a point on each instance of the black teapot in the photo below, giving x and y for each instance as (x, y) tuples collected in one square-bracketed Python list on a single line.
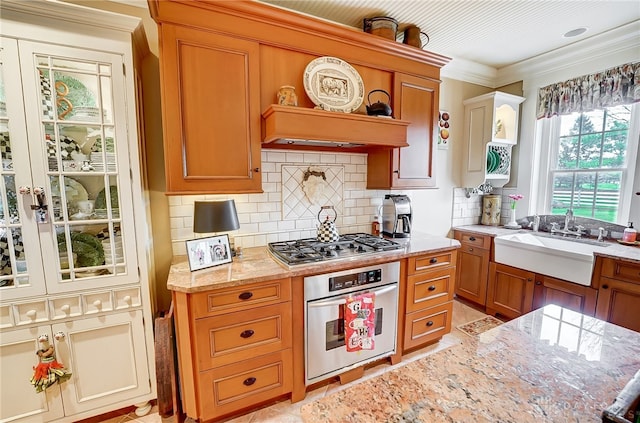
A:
[(378, 108)]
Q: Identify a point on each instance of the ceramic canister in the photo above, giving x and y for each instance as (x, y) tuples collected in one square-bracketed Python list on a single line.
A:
[(491, 205)]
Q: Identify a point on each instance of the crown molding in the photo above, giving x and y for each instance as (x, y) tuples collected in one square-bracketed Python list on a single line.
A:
[(468, 71), (622, 43), (73, 13)]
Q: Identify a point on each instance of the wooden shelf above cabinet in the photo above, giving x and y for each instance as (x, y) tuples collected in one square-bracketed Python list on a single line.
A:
[(298, 127)]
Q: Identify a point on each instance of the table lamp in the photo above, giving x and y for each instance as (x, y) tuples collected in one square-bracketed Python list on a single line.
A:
[(215, 216)]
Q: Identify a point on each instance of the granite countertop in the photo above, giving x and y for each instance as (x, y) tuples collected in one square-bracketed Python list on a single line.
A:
[(613, 250), (258, 265), (551, 365)]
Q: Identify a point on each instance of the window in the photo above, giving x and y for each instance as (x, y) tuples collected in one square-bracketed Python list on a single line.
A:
[(592, 163)]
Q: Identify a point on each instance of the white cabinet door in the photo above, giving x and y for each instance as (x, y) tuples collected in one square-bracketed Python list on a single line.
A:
[(107, 357), (78, 148), (21, 270), (20, 402)]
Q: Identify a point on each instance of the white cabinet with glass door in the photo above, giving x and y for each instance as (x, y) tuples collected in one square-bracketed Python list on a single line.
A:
[(72, 265), (490, 132)]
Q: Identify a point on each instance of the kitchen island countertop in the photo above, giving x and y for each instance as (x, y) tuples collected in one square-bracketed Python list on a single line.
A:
[(550, 365), (258, 265), (614, 250)]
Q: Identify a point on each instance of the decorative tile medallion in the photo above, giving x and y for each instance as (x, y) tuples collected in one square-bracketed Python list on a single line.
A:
[(307, 188)]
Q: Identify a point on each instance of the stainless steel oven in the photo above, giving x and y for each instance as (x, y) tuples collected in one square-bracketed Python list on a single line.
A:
[(325, 298)]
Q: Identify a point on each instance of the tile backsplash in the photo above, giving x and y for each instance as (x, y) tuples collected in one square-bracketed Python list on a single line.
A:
[(467, 210), (283, 211)]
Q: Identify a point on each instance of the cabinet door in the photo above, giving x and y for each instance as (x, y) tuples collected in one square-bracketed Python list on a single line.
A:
[(107, 357), (477, 133), (78, 153), (575, 297), (21, 273), (473, 267), (618, 303), (211, 112), (20, 402), (415, 100), (510, 290)]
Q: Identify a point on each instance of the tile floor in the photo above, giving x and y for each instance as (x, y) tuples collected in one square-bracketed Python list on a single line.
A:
[(285, 412)]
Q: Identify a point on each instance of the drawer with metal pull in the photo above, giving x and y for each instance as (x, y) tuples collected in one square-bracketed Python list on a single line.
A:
[(229, 388), (226, 300), (242, 335), (429, 261), (429, 289), (427, 325)]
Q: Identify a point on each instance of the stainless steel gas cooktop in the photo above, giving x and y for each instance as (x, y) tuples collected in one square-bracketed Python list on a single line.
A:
[(310, 250)]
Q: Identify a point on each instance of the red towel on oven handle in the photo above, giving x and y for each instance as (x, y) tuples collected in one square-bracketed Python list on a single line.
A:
[(359, 322)]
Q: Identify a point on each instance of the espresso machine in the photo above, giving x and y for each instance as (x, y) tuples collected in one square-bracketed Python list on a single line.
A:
[(396, 216)]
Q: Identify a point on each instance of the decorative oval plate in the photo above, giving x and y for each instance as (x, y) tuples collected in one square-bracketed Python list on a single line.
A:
[(333, 84)]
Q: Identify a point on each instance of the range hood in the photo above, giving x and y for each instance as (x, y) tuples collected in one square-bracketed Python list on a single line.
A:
[(299, 127)]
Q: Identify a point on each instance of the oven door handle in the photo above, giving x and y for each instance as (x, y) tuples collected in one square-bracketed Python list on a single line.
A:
[(344, 300)]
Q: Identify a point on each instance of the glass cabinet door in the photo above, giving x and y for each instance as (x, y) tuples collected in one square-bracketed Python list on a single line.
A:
[(21, 269), (75, 132)]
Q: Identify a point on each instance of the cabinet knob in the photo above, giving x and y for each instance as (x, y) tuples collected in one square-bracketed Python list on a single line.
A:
[(59, 336), (529, 279), (249, 381), (97, 304), (256, 170), (433, 260), (396, 171), (430, 323), (127, 299), (247, 333), (470, 249), (538, 283), (31, 314), (66, 308), (605, 286), (245, 295), (472, 238), (432, 288)]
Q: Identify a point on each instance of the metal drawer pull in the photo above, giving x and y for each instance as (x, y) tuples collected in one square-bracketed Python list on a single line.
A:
[(249, 381), (432, 288), (472, 238), (605, 286), (433, 260), (245, 295), (430, 323), (247, 333)]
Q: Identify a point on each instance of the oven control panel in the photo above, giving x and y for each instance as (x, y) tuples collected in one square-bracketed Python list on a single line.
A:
[(337, 283)]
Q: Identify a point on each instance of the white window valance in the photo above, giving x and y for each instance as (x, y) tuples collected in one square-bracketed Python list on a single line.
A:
[(612, 87)]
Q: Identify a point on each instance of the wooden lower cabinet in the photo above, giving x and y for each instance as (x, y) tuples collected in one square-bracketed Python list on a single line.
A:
[(429, 298), (569, 295), (510, 291), (618, 285), (473, 266), (234, 387), (431, 324), (234, 347), (513, 292)]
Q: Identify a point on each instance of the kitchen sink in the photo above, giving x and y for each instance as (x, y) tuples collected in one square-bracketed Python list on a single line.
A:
[(551, 255)]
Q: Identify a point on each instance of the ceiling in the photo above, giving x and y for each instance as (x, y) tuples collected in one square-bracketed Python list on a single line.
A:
[(494, 33)]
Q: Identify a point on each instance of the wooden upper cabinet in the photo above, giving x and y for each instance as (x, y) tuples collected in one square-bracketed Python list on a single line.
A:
[(211, 112), (415, 100)]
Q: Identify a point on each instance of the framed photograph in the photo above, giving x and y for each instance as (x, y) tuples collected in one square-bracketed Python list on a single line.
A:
[(208, 252)]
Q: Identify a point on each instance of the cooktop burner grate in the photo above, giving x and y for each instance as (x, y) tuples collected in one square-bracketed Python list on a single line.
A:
[(311, 250)]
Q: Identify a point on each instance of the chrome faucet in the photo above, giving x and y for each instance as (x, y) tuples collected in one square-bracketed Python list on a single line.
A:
[(601, 234), (568, 220)]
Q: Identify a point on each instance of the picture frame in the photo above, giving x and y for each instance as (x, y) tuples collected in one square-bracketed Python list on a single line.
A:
[(208, 252)]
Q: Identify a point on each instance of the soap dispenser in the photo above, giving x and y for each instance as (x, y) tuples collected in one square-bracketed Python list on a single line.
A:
[(629, 234)]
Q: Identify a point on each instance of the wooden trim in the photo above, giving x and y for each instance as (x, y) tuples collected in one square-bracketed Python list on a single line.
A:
[(297, 310), (286, 122), (186, 361), (236, 14)]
